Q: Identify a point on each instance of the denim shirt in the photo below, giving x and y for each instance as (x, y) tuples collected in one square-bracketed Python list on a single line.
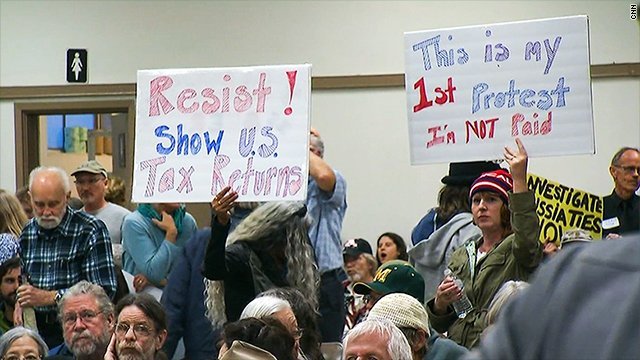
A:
[(327, 211)]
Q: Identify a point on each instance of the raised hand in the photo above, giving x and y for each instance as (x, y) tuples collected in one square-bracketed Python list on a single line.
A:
[(222, 204), (518, 162)]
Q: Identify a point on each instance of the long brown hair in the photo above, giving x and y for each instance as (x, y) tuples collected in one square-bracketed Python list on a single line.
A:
[(452, 199)]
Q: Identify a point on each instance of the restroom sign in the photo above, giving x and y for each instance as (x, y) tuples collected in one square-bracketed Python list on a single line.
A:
[(77, 66)]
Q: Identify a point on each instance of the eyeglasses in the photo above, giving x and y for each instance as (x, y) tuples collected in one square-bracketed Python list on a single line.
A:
[(139, 330), (89, 181), (629, 169), (86, 316), (22, 357)]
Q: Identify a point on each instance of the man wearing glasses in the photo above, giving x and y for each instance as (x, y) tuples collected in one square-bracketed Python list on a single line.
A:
[(141, 329), (621, 213), (86, 313)]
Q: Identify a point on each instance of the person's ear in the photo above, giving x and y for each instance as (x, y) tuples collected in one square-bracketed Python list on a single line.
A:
[(162, 336), (612, 171), (422, 339)]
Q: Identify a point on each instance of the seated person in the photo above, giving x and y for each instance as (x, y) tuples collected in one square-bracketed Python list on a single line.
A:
[(22, 343), (376, 339), (140, 331), (267, 335), (279, 309), (507, 293), (410, 316), (307, 319), (360, 266)]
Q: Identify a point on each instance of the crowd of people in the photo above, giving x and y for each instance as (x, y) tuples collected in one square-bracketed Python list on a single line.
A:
[(276, 281)]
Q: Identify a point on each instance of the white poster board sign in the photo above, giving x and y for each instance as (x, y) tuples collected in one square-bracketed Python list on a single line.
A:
[(199, 130), (472, 90)]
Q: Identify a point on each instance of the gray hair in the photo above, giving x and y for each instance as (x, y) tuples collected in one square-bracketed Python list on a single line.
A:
[(397, 345), (616, 157), (317, 143), (16, 333), (507, 292), (372, 262), (264, 306), (84, 287), (62, 175), (271, 221)]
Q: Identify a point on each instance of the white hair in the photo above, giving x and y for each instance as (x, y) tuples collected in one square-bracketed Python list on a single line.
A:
[(397, 345), (507, 292), (62, 175), (264, 306)]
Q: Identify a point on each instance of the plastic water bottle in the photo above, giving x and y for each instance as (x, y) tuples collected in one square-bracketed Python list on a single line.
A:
[(463, 306)]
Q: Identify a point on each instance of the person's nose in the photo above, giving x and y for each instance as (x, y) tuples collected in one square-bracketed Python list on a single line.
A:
[(130, 334)]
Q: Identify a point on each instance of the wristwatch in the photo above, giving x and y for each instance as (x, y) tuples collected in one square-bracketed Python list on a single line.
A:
[(58, 297)]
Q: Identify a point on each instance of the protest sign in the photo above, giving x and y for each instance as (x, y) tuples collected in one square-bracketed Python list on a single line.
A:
[(561, 208), (471, 90), (199, 130)]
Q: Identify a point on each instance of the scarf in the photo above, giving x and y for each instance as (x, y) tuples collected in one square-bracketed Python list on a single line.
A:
[(149, 212)]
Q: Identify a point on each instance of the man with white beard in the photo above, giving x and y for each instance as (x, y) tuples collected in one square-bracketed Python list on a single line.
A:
[(60, 247), (360, 266), (87, 318)]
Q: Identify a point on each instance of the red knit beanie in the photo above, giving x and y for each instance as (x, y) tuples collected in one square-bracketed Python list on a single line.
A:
[(499, 182)]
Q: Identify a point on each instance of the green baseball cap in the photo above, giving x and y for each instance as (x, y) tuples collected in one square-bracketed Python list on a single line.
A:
[(395, 276)]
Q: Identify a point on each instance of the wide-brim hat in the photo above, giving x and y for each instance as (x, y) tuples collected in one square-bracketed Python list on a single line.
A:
[(465, 173)]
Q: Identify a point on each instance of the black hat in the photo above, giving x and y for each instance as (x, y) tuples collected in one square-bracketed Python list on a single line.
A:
[(465, 173), (355, 247)]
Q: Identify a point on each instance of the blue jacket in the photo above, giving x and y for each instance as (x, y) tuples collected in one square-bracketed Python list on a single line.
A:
[(183, 300)]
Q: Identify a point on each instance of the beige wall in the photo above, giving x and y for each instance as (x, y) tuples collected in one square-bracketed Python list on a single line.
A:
[(365, 130)]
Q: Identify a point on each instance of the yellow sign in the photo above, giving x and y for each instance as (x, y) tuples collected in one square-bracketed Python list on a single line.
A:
[(560, 208)]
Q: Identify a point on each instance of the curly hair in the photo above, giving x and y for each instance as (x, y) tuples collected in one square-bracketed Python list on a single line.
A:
[(266, 226)]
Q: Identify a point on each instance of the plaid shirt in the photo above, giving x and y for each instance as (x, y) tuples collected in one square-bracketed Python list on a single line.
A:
[(77, 249)]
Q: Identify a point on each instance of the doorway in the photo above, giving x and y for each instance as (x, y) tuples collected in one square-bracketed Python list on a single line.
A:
[(105, 134)]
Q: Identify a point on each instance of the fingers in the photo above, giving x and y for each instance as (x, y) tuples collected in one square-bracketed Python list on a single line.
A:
[(521, 148), (225, 200)]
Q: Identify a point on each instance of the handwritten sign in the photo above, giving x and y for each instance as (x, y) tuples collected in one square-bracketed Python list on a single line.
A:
[(471, 90), (199, 130), (561, 208)]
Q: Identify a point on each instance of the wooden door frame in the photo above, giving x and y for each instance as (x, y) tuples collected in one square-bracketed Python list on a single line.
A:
[(27, 133)]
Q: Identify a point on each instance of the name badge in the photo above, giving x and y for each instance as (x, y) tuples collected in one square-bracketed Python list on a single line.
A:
[(610, 223)]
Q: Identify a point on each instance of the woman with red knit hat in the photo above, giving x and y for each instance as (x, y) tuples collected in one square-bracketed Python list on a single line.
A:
[(507, 248)]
